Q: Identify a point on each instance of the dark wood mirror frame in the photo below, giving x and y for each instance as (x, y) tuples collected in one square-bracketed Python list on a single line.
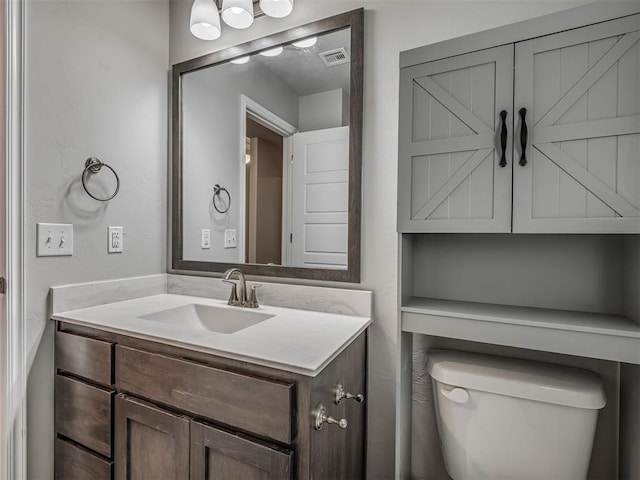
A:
[(354, 20)]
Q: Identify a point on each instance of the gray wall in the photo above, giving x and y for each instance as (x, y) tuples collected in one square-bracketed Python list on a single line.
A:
[(391, 27), (96, 85), (211, 147), (631, 277), (567, 272), (323, 110)]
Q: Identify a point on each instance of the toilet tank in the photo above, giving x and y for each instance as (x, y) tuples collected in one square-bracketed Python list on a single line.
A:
[(504, 418)]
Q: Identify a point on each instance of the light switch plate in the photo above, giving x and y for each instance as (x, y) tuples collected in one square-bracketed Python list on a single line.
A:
[(205, 238), (115, 240), (54, 239), (230, 238)]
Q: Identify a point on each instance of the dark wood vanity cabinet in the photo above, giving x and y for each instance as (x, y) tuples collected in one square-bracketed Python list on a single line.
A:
[(128, 408), (149, 442), (218, 454)]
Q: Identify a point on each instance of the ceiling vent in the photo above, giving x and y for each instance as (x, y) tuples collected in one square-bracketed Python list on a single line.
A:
[(334, 57)]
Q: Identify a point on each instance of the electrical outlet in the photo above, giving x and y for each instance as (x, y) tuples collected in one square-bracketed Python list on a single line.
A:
[(230, 238), (205, 238), (54, 239), (115, 239)]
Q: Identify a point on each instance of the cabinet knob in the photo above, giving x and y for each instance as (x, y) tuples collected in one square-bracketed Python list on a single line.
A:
[(341, 394), (320, 417)]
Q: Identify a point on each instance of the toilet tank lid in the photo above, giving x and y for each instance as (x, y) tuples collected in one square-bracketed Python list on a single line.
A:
[(543, 382)]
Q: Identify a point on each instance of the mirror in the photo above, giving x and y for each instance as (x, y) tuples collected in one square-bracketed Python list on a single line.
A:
[(267, 140)]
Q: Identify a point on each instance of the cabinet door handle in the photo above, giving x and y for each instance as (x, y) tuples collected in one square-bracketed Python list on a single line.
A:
[(503, 138), (524, 132)]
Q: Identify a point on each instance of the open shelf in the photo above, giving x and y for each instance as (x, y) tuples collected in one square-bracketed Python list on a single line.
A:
[(594, 335)]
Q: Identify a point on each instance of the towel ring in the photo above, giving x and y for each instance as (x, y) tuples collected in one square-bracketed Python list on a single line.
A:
[(216, 192), (93, 165)]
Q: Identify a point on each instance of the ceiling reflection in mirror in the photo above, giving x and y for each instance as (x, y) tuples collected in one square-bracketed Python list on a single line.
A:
[(265, 157)]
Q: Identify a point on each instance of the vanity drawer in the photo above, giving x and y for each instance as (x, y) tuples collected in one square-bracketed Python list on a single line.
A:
[(86, 357), (75, 463), (256, 405), (83, 413)]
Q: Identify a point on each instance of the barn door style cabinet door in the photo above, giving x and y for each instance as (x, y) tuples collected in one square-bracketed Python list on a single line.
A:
[(581, 168), (454, 176), (573, 101)]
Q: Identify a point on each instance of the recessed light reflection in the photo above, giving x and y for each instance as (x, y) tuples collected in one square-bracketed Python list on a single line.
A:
[(306, 42), (241, 60), (272, 52)]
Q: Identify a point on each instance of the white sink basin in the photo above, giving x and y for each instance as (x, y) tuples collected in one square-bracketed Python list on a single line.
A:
[(209, 318)]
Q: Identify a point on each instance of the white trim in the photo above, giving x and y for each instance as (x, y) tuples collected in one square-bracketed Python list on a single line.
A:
[(266, 117), (13, 361), (4, 469)]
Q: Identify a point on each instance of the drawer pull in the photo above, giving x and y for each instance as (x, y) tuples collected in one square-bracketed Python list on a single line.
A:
[(341, 394), (320, 417)]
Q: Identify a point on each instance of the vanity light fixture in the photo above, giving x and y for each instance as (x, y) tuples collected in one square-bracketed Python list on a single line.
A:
[(205, 20), (237, 13), (241, 60), (306, 42), (276, 8), (272, 52)]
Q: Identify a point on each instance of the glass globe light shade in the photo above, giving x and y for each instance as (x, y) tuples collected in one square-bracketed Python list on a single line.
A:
[(237, 13), (276, 8), (205, 20)]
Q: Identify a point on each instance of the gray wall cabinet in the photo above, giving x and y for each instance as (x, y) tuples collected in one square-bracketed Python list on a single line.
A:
[(570, 137), (534, 129)]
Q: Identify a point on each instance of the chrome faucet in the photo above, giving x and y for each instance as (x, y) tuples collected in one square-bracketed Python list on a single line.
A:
[(239, 297)]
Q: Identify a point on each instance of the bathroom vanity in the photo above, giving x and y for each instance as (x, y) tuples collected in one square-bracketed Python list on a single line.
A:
[(140, 396)]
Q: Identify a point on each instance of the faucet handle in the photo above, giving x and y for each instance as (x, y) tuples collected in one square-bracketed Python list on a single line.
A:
[(233, 297), (252, 301)]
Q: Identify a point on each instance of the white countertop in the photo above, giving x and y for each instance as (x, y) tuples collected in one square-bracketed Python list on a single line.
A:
[(295, 340)]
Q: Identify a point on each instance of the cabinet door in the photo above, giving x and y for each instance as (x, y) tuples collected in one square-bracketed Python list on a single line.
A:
[(220, 455), (451, 177), (150, 443), (581, 89)]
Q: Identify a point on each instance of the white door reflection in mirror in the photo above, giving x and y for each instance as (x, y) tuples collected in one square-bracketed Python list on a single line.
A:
[(319, 199)]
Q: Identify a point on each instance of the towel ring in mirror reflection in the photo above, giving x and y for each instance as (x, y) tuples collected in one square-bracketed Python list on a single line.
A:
[(93, 166), (217, 189)]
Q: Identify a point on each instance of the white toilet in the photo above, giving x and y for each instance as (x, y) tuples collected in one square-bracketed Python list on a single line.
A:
[(502, 418)]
